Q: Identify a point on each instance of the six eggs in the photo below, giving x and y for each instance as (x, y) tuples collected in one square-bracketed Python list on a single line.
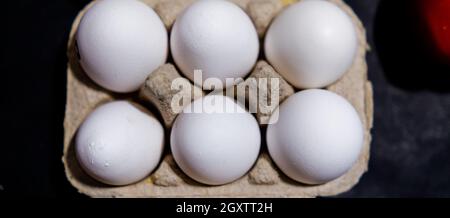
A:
[(312, 43)]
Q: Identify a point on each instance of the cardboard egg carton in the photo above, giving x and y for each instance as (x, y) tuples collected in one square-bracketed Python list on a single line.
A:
[(264, 179)]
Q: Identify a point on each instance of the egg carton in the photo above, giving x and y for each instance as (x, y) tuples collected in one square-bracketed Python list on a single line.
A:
[(264, 179)]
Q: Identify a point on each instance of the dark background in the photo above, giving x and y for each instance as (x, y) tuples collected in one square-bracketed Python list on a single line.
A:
[(410, 152)]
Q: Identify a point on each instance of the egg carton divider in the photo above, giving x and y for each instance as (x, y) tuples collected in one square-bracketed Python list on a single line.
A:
[(264, 179)]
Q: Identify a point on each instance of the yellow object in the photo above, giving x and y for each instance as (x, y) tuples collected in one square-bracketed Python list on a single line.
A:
[(288, 2)]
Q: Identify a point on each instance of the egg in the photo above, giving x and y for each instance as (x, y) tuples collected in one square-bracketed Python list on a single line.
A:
[(120, 42), (119, 143), (214, 140), (216, 37), (316, 137), (312, 43)]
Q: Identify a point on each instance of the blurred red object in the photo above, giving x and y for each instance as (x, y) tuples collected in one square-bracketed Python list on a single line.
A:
[(436, 17)]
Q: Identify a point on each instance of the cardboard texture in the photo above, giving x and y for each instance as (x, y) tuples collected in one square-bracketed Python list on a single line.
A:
[(264, 179)]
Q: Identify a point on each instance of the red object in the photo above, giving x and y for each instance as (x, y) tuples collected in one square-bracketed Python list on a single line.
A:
[(436, 14)]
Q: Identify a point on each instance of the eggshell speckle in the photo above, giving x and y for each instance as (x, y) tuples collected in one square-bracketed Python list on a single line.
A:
[(119, 143), (312, 43), (120, 42), (217, 37), (317, 138), (215, 146)]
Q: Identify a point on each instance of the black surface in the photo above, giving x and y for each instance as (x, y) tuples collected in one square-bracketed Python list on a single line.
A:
[(410, 154)]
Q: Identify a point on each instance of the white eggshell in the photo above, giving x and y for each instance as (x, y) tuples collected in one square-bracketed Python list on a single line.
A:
[(120, 42), (318, 136), (312, 43), (119, 143), (213, 147), (217, 37)]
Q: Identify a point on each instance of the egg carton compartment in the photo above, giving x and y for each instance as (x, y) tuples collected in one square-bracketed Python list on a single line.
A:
[(264, 179)]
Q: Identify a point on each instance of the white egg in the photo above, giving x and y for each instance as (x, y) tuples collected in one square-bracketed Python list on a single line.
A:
[(317, 138), (120, 42), (215, 146), (312, 43), (217, 37), (119, 143)]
